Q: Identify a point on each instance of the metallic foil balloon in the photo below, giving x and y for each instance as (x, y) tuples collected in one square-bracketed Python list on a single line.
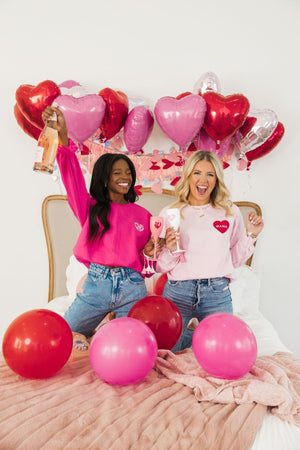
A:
[(83, 115), (116, 111), (208, 82), (268, 145), (26, 126), (205, 142), (225, 115), (32, 100), (137, 129), (265, 124), (180, 119), (73, 88)]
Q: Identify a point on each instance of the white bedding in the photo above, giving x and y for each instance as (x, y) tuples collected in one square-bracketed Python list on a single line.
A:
[(274, 434)]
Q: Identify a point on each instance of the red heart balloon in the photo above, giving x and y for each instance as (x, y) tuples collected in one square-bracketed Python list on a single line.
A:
[(224, 115), (184, 94), (32, 100), (116, 112), (268, 145), (247, 125), (26, 126)]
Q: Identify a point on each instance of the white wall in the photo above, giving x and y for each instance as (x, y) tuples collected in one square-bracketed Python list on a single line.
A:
[(152, 49)]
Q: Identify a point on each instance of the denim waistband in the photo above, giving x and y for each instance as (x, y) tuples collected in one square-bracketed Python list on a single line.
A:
[(207, 281), (105, 271)]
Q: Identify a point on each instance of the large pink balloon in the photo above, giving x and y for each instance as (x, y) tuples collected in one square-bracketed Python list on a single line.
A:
[(180, 119), (123, 351), (205, 142), (83, 115), (224, 346), (137, 128)]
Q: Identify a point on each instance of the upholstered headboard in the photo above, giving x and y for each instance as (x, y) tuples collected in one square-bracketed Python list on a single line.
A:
[(62, 229)]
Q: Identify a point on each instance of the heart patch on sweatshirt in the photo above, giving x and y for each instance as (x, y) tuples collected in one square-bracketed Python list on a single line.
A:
[(221, 226)]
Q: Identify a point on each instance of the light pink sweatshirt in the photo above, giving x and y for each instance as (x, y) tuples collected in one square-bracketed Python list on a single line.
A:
[(214, 245), (122, 245)]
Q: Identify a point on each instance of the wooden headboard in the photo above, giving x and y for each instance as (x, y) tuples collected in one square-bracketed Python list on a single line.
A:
[(62, 229)]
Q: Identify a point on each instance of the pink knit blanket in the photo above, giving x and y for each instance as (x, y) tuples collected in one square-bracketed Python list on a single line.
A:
[(176, 406)]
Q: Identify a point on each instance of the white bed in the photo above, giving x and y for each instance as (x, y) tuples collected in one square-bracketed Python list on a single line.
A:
[(78, 429)]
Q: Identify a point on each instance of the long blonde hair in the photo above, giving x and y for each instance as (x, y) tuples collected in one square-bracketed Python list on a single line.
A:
[(220, 196)]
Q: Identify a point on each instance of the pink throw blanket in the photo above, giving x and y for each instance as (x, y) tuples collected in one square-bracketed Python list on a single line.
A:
[(274, 381)]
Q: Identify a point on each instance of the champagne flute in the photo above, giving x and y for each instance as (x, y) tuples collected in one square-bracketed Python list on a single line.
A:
[(173, 216), (156, 225)]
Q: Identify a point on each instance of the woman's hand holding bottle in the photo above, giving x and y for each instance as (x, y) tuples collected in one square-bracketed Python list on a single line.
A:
[(60, 125)]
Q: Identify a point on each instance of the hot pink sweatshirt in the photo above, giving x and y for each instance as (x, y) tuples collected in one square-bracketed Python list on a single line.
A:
[(122, 245), (214, 244)]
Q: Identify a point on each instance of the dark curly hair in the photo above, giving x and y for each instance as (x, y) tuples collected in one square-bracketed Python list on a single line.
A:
[(98, 190)]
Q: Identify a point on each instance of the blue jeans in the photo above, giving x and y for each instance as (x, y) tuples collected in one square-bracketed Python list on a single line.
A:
[(104, 290), (197, 298)]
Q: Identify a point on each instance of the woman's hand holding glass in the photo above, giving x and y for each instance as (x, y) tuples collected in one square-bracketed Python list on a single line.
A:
[(173, 218)]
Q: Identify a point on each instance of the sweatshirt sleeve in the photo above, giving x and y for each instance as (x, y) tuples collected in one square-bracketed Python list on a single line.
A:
[(167, 260), (241, 245), (73, 180)]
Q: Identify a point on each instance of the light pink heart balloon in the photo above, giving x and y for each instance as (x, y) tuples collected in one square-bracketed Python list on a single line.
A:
[(69, 84), (137, 128), (205, 142), (83, 115), (180, 119)]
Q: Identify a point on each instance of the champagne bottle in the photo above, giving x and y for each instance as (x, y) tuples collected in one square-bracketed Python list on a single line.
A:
[(47, 147)]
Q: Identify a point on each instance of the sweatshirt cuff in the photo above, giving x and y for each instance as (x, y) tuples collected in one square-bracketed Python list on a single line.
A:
[(71, 148)]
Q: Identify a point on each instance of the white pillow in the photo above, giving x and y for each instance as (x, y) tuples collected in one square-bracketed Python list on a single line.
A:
[(245, 292), (74, 272)]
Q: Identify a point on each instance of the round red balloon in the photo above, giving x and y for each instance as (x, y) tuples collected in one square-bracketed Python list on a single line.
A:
[(161, 316), (37, 344), (224, 346)]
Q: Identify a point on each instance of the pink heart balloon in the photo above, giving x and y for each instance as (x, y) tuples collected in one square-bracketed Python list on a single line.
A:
[(69, 84), (180, 119), (137, 128), (83, 115), (205, 142)]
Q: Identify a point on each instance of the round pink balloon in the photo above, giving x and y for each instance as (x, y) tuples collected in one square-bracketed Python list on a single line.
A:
[(224, 346), (205, 142), (137, 128), (123, 351), (83, 115), (180, 119)]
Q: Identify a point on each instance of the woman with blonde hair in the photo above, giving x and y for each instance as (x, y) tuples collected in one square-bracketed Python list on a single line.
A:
[(213, 238)]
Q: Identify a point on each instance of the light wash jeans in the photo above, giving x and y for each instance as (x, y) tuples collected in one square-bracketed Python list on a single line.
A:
[(104, 290), (197, 298)]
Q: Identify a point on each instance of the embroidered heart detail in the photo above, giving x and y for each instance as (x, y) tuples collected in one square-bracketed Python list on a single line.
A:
[(221, 226), (157, 225)]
